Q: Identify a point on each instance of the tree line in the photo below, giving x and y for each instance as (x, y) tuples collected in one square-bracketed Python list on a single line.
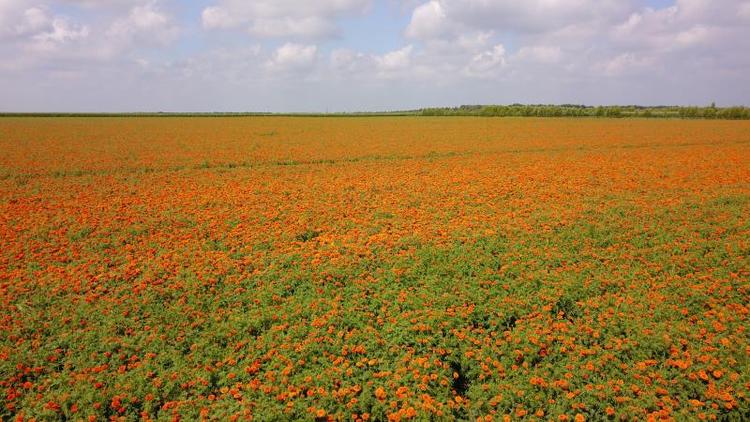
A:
[(574, 110)]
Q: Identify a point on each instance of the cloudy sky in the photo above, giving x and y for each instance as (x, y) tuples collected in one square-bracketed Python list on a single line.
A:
[(343, 55)]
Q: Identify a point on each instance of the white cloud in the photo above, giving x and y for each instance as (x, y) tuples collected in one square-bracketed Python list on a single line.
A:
[(351, 63), (429, 21), (686, 23), (597, 51), (395, 60), (21, 20), (724, 12), (281, 18), (626, 63), (293, 57), (33, 21), (486, 63), (230, 65), (36, 34), (99, 3), (144, 22), (540, 54), (36, 28), (396, 64), (461, 46), (60, 31), (696, 35), (439, 18), (578, 38)]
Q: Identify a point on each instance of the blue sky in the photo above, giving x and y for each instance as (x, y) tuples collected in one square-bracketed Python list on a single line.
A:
[(344, 55)]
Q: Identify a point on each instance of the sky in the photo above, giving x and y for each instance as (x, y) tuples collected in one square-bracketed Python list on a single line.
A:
[(368, 55)]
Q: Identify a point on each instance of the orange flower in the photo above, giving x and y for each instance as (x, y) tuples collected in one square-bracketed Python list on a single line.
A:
[(272, 264)]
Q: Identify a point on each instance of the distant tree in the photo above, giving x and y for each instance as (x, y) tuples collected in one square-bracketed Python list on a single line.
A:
[(550, 110), (734, 113), (613, 112)]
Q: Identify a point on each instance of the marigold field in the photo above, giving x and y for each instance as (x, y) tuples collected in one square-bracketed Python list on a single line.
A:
[(282, 268)]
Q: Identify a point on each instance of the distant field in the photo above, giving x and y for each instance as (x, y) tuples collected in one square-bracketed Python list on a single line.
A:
[(373, 268)]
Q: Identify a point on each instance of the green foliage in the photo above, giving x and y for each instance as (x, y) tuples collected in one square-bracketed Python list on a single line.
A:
[(482, 302), (568, 110), (307, 236)]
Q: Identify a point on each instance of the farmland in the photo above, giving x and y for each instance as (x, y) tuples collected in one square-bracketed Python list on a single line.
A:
[(373, 268)]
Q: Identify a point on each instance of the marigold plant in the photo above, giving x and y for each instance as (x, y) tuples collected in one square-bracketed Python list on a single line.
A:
[(380, 268)]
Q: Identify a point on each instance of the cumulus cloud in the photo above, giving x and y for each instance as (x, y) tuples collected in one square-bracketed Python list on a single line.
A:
[(469, 37), (395, 60), (441, 18), (447, 52), (21, 20), (626, 63), (688, 23), (698, 36), (31, 31), (281, 18), (99, 3), (59, 32), (350, 63), (430, 21), (144, 22), (293, 57), (395, 64), (35, 33), (582, 36), (487, 62)]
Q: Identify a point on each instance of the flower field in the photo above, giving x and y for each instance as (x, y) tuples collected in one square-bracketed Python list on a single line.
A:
[(379, 268)]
